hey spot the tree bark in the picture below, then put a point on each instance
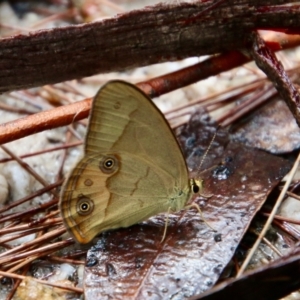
(141, 37)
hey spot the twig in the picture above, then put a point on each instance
(271, 217)
(12, 275)
(30, 170)
(46, 237)
(223, 28)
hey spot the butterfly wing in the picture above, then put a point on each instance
(133, 167)
(124, 119)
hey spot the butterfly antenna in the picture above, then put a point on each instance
(206, 152)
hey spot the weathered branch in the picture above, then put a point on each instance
(266, 60)
(67, 114)
(138, 38)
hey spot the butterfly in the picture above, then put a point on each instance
(132, 167)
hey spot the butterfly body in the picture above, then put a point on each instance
(132, 167)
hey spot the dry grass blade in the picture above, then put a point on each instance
(271, 217)
(28, 168)
(65, 260)
(72, 289)
(28, 212)
(46, 237)
(24, 227)
(289, 220)
(70, 145)
(39, 252)
(29, 197)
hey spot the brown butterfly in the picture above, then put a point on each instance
(132, 167)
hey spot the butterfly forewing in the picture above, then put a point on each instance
(124, 119)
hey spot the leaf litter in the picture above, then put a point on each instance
(192, 257)
(133, 264)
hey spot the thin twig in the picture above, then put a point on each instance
(271, 217)
(30, 170)
(12, 275)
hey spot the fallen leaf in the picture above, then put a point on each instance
(132, 263)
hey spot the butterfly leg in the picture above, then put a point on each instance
(166, 225)
(201, 214)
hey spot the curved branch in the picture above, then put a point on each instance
(151, 35)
